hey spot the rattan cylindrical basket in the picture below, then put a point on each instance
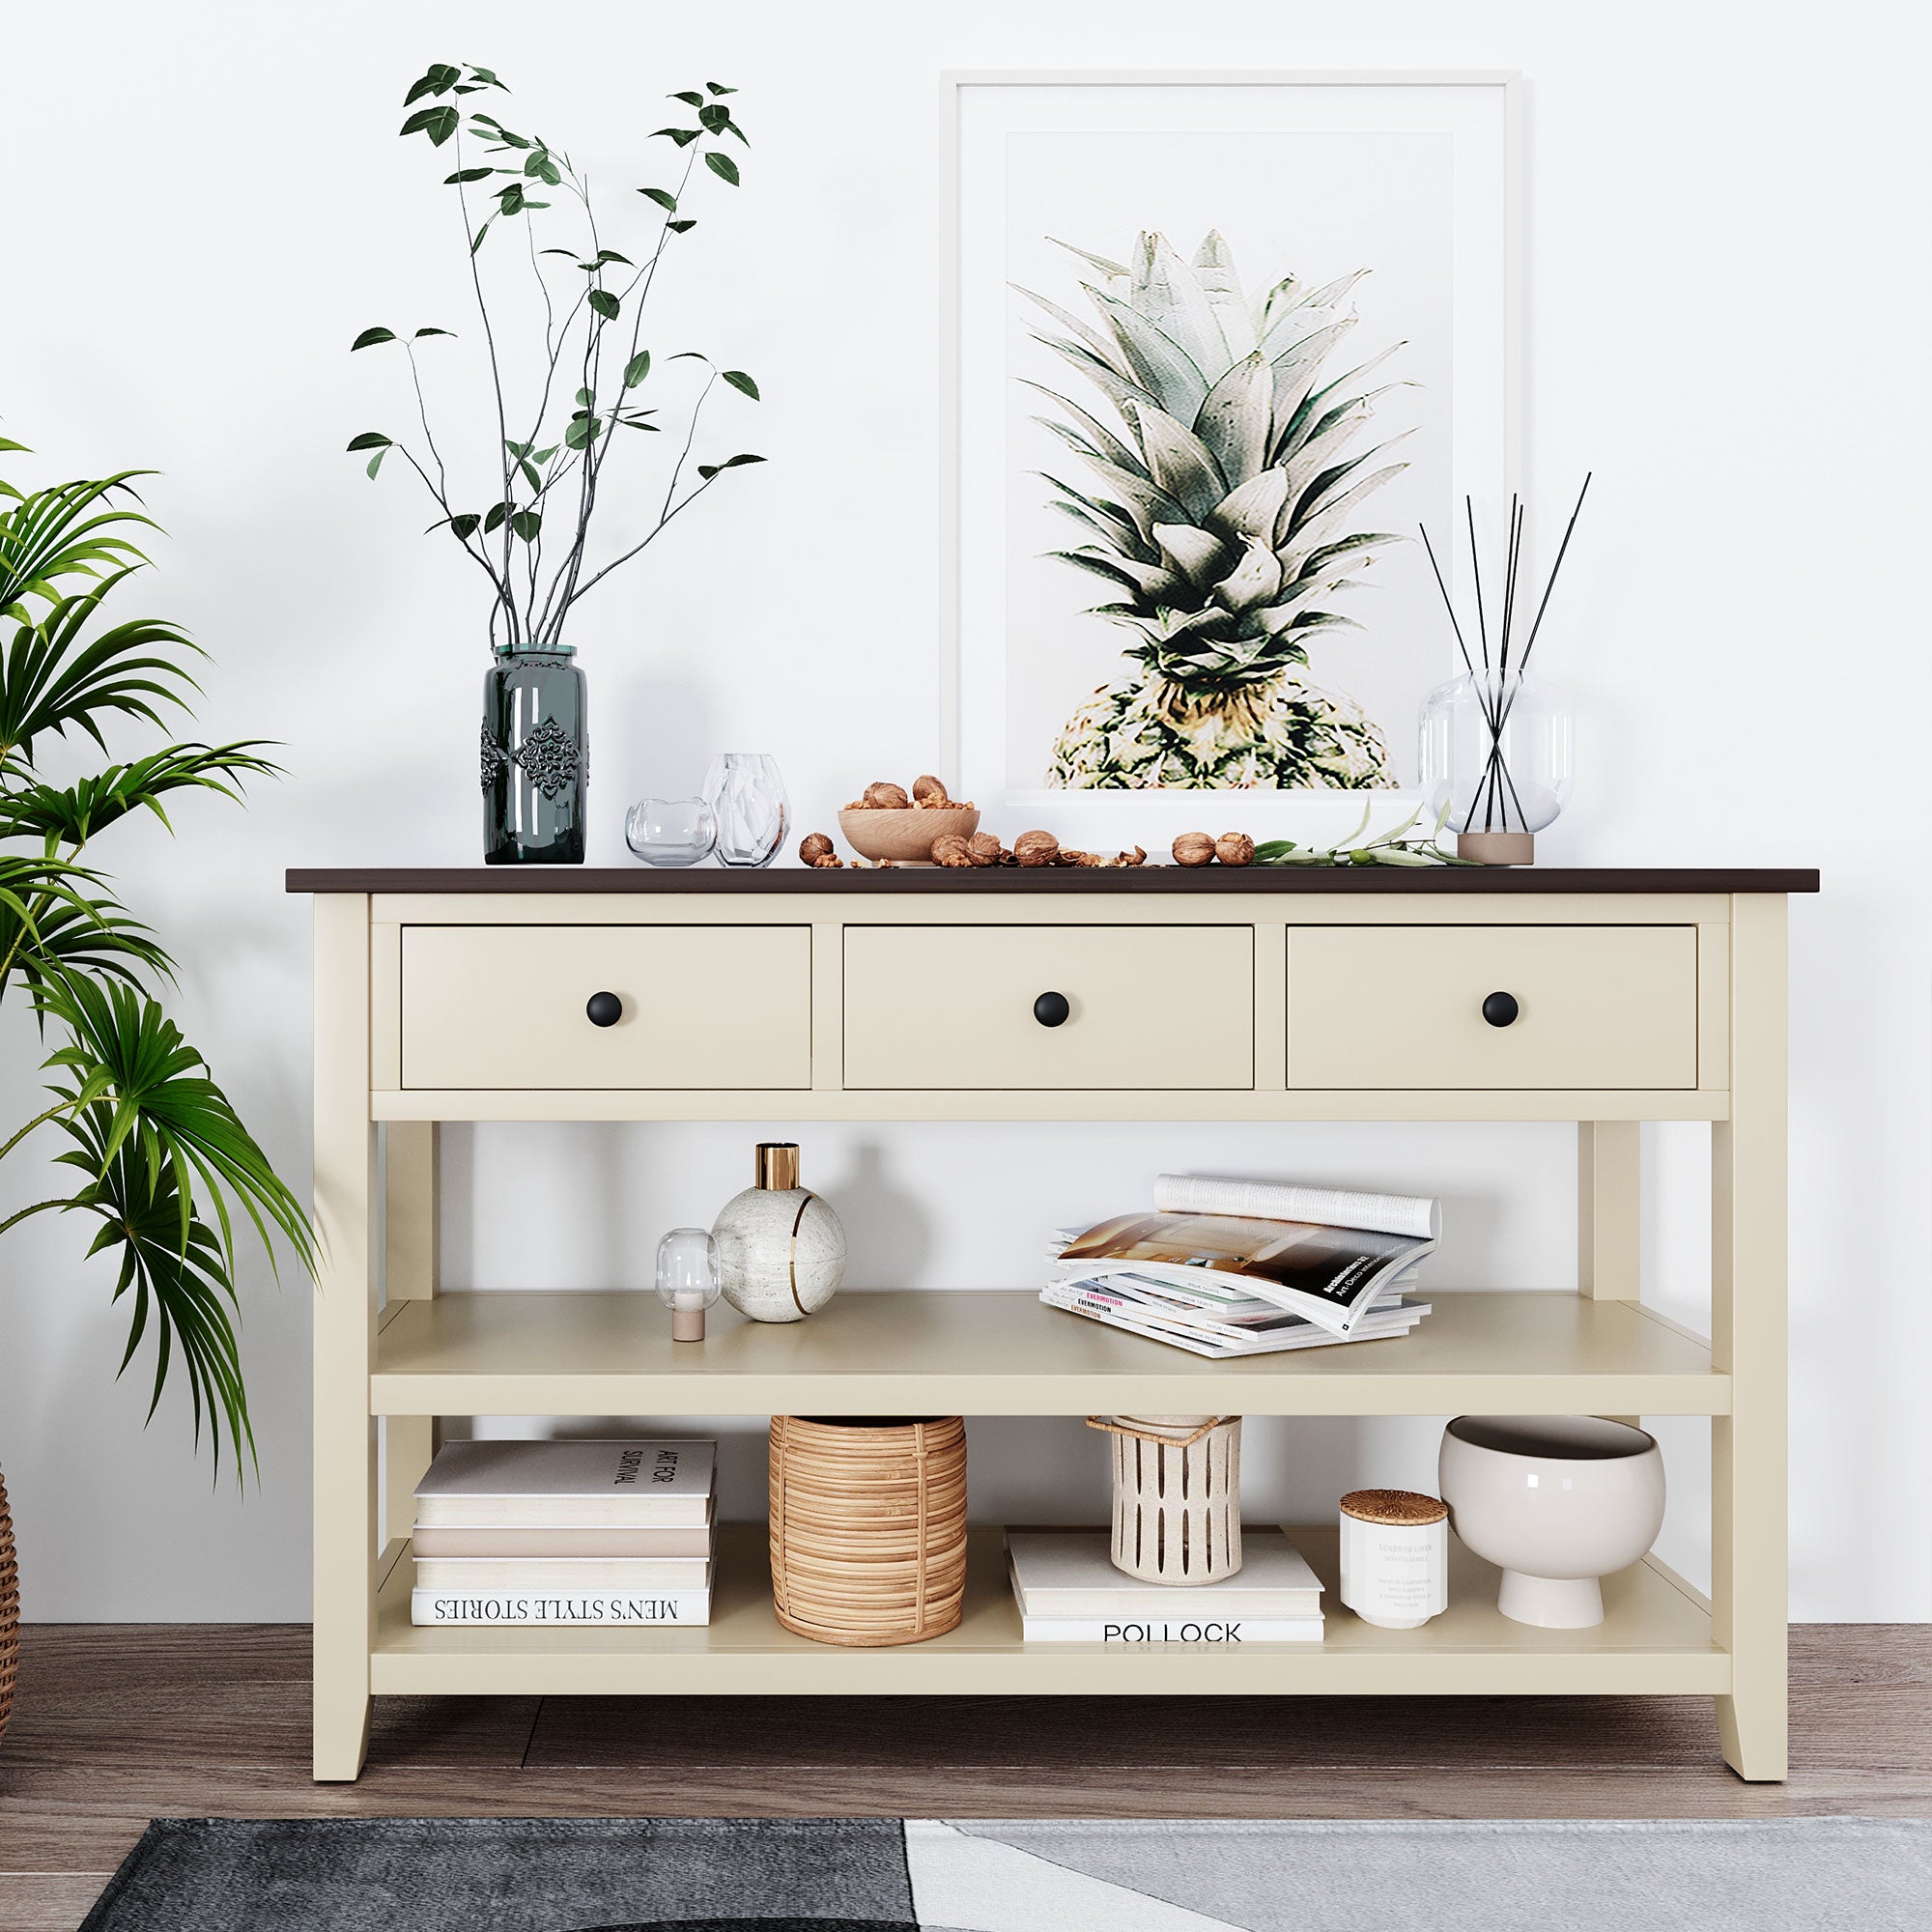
(869, 1528)
(10, 1611)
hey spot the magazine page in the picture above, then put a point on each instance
(1328, 1274)
(1410, 1214)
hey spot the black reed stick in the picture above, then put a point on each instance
(1562, 549)
(1476, 571)
(1448, 604)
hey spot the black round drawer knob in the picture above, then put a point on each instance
(1051, 1009)
(1501, 1010)
(603, 1008)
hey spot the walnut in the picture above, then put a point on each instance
(984, 848)
(929, 790)
(814, 846)
(1036, 848)
(1085, 859)
(1234, 848)
(952, 850)
(1194, 848)
(885, 796)
(1137, 857)
(828, 862)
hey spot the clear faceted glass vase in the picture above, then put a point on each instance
(1496, 762)
(536, 759)
(748, 798)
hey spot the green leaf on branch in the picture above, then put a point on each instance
(691, 100)
(421, 332)
(680, 227)
(724, 167)
(466, 175)
(683, 136)
(437, 123)
(716, 117)
(716, 89)
(585, 398)
(608, 255)
(370, 439)
(527, 523)
(376, 462)
(584, 429)
(488, 78)
(370, 338)
(464, 526)
(604, 304)
(663, 196)
(636, 368)
(494, 520)
(708, 471)
(636, 422)
(480, 232)
(742, 382)
(439, 79)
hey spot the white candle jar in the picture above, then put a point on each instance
(1395, 1557)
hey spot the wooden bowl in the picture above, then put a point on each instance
(906, 835)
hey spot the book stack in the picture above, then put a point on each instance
(1235, 1268)
(1070, 1592)
(599, 1532)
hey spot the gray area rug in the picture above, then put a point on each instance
(885, 1875)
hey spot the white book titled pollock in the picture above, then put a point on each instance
(567, 1484)
(1068, 1573)
(627, 1608)
(1217, 1630)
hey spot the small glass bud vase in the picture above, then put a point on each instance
(687, 1280)
(781, 1249)
(1496, 762)
(746, 794)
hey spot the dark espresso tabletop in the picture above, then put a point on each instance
(1207, 880)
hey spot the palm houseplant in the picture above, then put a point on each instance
(1223, 487)
(150, 1154)
(540, 268)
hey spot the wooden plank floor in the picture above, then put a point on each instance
(117, 1723)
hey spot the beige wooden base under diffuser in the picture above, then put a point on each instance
(1648, 996)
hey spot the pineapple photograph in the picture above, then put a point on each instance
(1228, 416)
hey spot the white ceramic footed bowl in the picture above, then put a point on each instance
(1555, 1502)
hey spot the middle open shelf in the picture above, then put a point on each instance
(1000, 1351)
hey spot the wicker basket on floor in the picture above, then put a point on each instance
(869, 1528)
(10, 1611)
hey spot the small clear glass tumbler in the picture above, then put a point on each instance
(671, 831)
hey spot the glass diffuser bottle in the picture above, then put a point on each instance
(1496, 762)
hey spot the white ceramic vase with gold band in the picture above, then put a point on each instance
(781, 1249)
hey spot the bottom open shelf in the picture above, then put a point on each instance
(1656, 1639)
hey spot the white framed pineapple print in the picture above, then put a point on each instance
(1215, 346)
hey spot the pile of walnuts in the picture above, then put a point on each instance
(928, 794)
(1197, 848)
(1028, 850)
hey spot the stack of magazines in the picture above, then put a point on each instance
(1247, 1267)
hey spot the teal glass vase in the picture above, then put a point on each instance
(536, 759)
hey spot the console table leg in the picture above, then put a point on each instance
(1749, 1476)
(345, 1332)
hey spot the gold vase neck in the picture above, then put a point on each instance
(776, 1164)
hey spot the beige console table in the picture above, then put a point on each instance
(910, 995)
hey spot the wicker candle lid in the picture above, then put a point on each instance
(1407, 1508)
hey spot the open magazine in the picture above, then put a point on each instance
(1232, 1254)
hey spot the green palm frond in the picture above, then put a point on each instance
(174, 1268)
(72, 815)
(163, 1103)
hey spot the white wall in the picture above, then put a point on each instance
(1727, 287)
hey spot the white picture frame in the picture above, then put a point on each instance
(1477, 118)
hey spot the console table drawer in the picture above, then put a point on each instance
(703, 1007)
(1404, 1006)
(953, 1008)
